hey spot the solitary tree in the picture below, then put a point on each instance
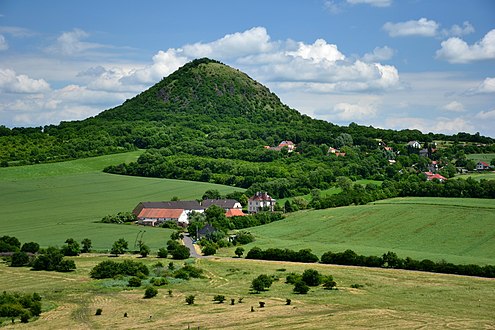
(239, 252)
(119, 246)
(86, 245)
(72, 248)
(261, 283)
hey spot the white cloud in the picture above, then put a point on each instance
(486, 115)
(252, 41)
(70, 43)
(317, 52)
(3, 43)
(459, 31)
(454, 106)
(456, 50)
(487, 86)
(422, 27)
(436, 125)
(379, 54)
(349, 112)
(11, 82)
(375, 3)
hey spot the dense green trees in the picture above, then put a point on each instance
(23, 306)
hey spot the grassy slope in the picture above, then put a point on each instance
(51, 202)
(457, 230)
(389, 299)
(481, 157)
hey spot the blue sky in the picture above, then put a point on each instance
(393, 64)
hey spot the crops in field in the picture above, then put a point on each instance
(456, 230)
(49, 203)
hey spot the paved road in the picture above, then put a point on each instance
(189, 244)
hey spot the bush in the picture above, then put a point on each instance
(150, 292)
(98, 311)
(110, 269)
(162, 252)
(311, 277)
(159, 281)
(219, 298)
(239, 252)
(209, 250)
(261, 283)
(329, 283)
(180, 252)
(292, 278)
(31, 247)
(19, 259)
(134, 282)
(190, 299)
(243, 237)
(301, 287)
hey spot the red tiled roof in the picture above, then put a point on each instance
(431, 176)
(234, 213)
(484, 164)
(160, 213)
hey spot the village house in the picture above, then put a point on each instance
(225, 204)
(287, 144)
(481, 166)
(431, 176)
(336, 152)
(433, 167)
(261, 201)
(156, 213)
(414, 144)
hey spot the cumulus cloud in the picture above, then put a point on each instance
(459, 31)
(454, 106)
(3, 43)
(374, 3)
(317, 52)
(348, 112)
(11, 82)
(70, 43)
(439, 124)
(486, 115)
(456, 50)
(487, 86)
(422, 27)
(379, 54)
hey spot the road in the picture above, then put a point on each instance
(189, 244)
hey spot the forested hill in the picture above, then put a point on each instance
(205, 108)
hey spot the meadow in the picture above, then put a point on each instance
(481, 157)
(456, 230)
(49, 203)
(387, 298)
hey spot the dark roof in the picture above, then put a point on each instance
(223, 203)
(261, 196)
(186, 205)
(206, 230)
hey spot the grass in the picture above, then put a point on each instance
(49, 203)
(387, 299)
(456, 230)
(481, 157)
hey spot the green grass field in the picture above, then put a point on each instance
(481, 157)
(456, 230)
(49, 203)
(391, 299)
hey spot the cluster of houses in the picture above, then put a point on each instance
(156, 213)
(284, 144)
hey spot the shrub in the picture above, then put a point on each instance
(311, 277)
(357, 286)
(180, 252)
(219, 298)
(134, 282)
(30, 247)
(19, 259)
(292, 278)
(301, 287)
(239, 252)
(159, 281)
(190, 299)
(209, 250)
(261, 283)
(150, 292)
(98, 311)
(244, 237)
(329, 283)
(162, 252)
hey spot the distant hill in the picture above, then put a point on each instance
(201, 103)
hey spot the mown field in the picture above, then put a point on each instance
(456, 230)
(481, 157)
(49, 203)
(388, 299)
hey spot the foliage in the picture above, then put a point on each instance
(31, 247)
(144, 249)
(110, 269)
(243, 237)
(134, 282)
(72, 248)
(19, 259)
(261, 283)
(159, 281)
(311, 277)
(24, 306)
(119, 247)
(329, 283)
(150, 292)
(162, 252)
(239, 251)
(301, 287)
(9, 244)
(219, 298)
(303, 255)
(209, 250)
(180, 252)
(52, 259)
(86, 245)
(98, 311)
(119, 218)
(190, 299)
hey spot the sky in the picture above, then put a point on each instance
(396, 64)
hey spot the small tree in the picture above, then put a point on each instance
(301, 287)
(239, 252)
(150, 292)
(190, 299)
(72, 248)
(98, 311)
(329, 283)
(311, 277)
(86, 245)
(19, 259)
(162, 252)
(144, 250)
(180, 252)
(31, 247)
(261, 283)
(119, 247)
(219, 298)
(209, 250)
